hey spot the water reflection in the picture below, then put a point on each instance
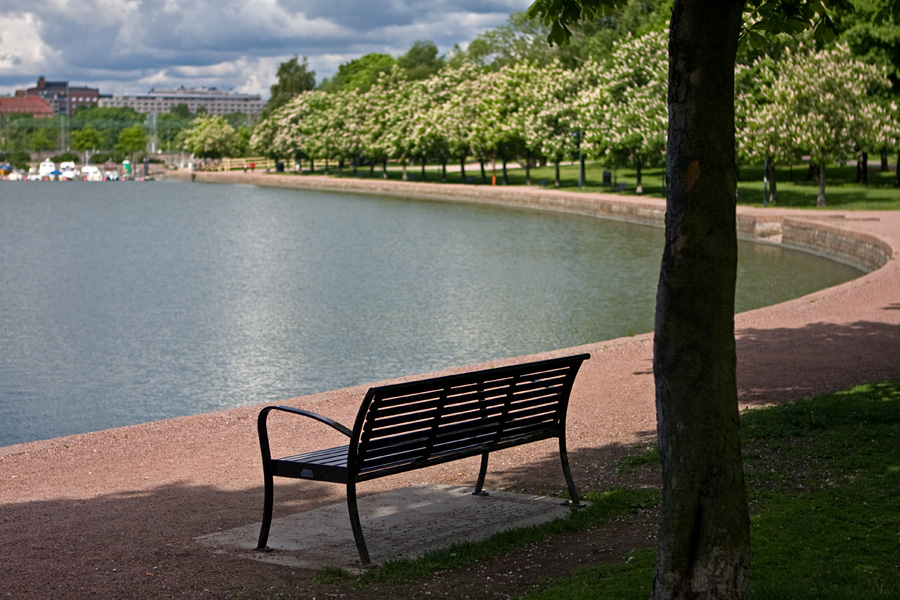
(132, 302)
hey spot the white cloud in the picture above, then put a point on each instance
(124, 46)
(21, 46)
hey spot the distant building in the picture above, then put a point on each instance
(37, 106)
(215, 102)
(62, 97)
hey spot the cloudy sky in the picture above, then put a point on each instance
(128, 46)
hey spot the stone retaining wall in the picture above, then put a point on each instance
(809, 234)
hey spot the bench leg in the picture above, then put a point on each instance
(480, 484)
(267, 513)
(573, 491)
(355, 525)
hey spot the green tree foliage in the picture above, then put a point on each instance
(109, 121)
(181, 111)
(169, 125)
(294, 77)
(421, 61)
(41, 142)
(86, 138)
(132, 139)
(359, 74)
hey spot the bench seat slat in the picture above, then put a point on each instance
(422, 446)
(379, 418)
(462, 422)
(440, 396)
(495, 425)
(322, 465)
(374, 471)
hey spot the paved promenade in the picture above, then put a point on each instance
(117, 513)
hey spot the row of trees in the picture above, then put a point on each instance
(110, 132)
(613, 110)
(825, 104)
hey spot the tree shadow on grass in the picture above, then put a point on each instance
(775, 365)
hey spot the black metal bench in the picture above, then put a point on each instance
(412, 425)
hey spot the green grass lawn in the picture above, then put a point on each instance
(795, 190)
(824, 482)
(823, 477)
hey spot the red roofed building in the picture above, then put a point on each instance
(37, 106)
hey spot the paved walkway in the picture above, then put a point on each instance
(127, 512)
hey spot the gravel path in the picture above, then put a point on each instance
(114, 514)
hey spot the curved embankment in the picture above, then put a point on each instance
(115, 513)
(816, 232)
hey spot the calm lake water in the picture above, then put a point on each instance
(123, 303)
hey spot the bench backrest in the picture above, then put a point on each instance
(410, 425)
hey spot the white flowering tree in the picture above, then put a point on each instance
(765, 128)
(459, 113)
(393, 102)
(831, 107)
(635, 87)
(209, 137)
(524, 91)
(554, 131)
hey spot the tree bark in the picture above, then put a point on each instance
(773, 182)
(558, 183)
(704, 545)
(462, 168)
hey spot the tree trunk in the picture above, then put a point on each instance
(462, 169)
(443, 170)
(505, 174)
(558, 182)
(528, 170)
(704, 545)
(405, 176)
(862, 168)
(384, 173)
(483, 173)
(884, 159)
(423, 168)
(897, 171)
(773, 184)
(820, 201)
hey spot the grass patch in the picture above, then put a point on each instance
(603, 507)
(648, 458)
(795, 189)
(824, 483)
(823, 478)
(629, 580)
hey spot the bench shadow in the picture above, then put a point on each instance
(142, 543)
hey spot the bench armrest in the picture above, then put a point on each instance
(263, 430)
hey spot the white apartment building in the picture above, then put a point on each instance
(216, 102)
